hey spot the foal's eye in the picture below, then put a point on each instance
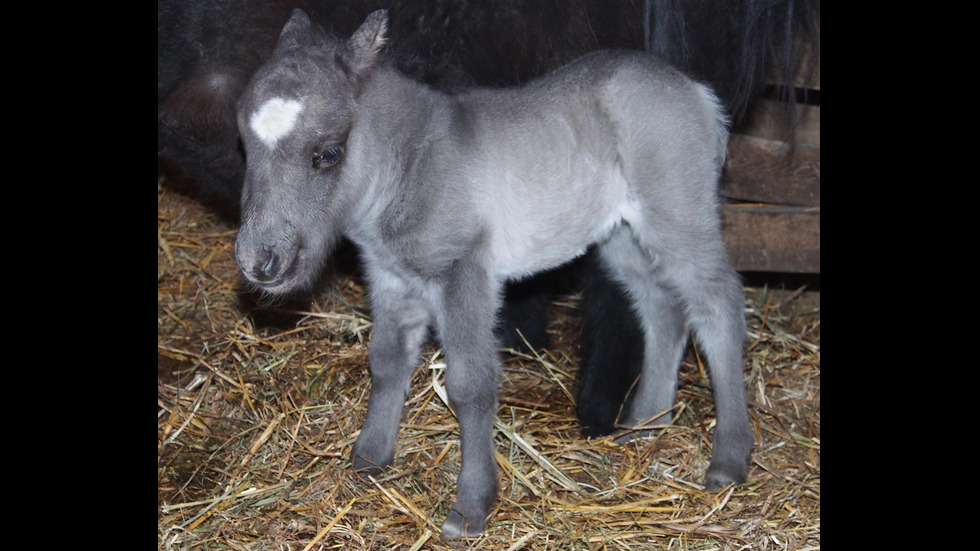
(328, 158)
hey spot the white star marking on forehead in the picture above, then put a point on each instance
(275, 119)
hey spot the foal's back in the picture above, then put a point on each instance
(553, 166)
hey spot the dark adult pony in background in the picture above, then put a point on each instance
(208, 50)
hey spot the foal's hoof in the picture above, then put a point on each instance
(362, 466)
(457, 527)
(720, 476)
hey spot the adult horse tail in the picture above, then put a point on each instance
(739, 47)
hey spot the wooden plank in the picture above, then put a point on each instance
(772, 238)
(783, 233)
(761, 171)
(768, 120)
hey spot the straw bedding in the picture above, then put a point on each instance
(259, 405)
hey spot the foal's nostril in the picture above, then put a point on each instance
(271, 266)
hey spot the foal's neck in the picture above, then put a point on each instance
(407, 109)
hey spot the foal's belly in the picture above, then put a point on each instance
(549, 208)
(534, 243)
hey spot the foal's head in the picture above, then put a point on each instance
(294, 118)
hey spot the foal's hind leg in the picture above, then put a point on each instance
(662, 326)
(712, 298)
(690, 285)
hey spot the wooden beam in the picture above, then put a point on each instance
(766, 171)
(772, 238)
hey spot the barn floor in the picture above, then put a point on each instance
(257, 413)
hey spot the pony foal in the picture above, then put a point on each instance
(450, 196)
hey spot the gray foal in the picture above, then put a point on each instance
(448, 197)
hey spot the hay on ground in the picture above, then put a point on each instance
(257, 414)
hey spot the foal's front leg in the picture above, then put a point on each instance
(466, 323)
(400, 328)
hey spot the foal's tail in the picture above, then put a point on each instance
(721, 127)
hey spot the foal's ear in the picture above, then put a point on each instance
(367, 40)
(295, 30)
